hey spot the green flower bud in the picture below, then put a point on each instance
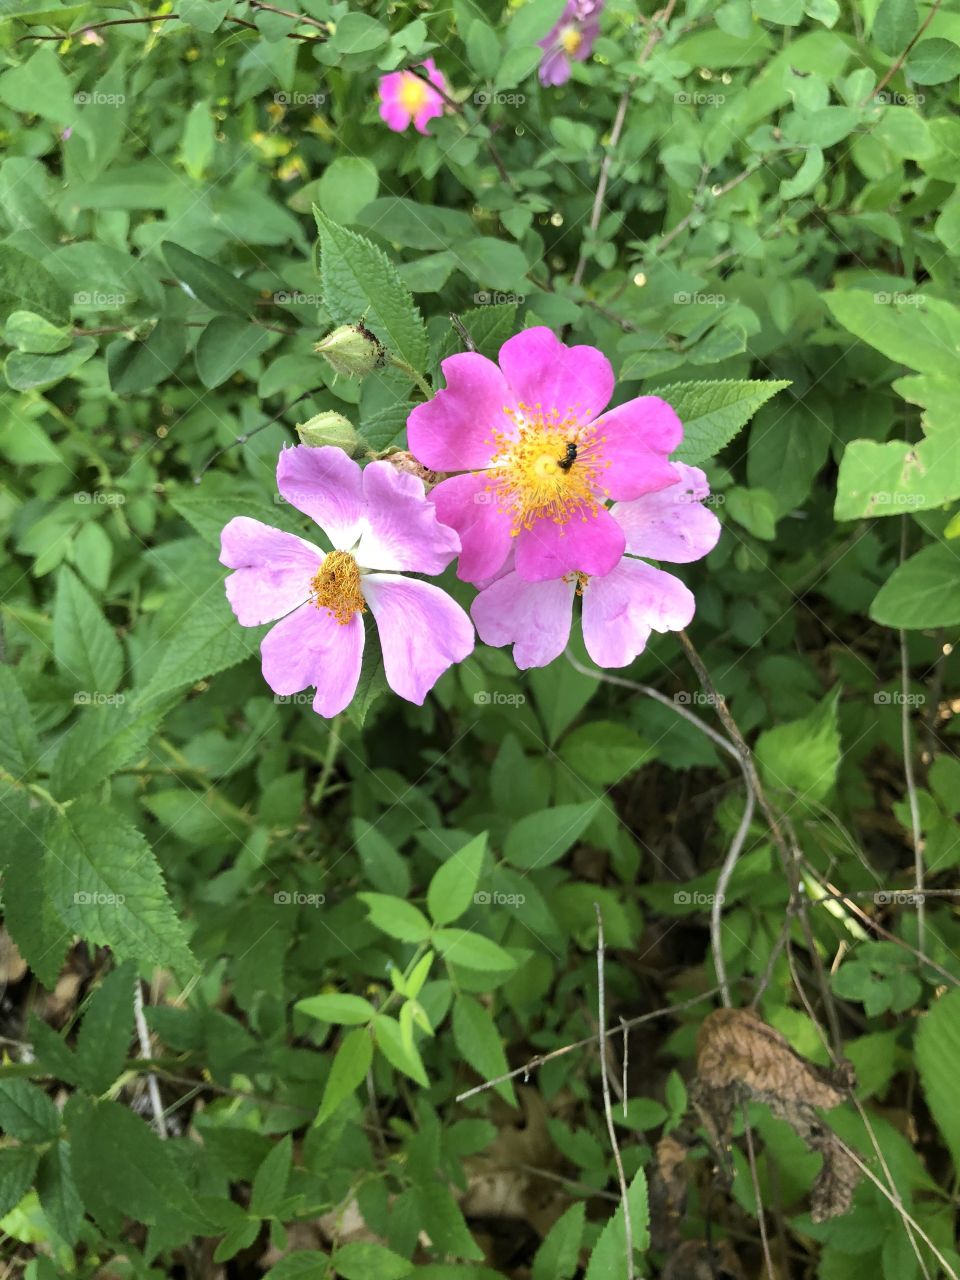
(329, 428)
(352, 350)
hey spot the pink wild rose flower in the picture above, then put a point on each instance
(539, 457)
(620, 610)
(381, 527)
(571, 39)
(405, 96)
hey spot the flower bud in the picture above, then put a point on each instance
(352, 350)
(329, 428)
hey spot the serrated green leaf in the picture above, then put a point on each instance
(58, 1193)
(804, 755)
(338, 1007)
(365, 1260)
(270, 1184)
(395, 917)
(608, 1260)
(103, 740)
(17, 1167)
(349, 1068)
(475, 1035)
(106, 885)
(924, 334)
(29, 914)
(84, 644)
(713, 412)
(542, 838)
(559, 1255)
(922, 592)
(18, 736)
(473, 951)
(360, 283)
(938, 1051)
(208, 639)
(106, 1031)
(26, 1112)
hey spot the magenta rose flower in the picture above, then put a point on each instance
(405, 96)
(620, 610)
(539, 457)
(381, 527)
(571, 39)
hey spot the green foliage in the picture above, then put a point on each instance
(341, 932)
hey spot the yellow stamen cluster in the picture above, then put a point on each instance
(336, 587)
(413, 93)
(551, 469)
(581, 579)
(571, 39)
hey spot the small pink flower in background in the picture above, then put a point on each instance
(539, 457)
(571, 39)
(381, 527)
(405, 96)
(620, 609)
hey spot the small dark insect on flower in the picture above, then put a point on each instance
(570, 457)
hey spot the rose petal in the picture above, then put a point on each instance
(454, 430)
(395, 115)
(638, 437)
(590, 542)
(326, 485)
(422, 632)
(309, 647)
(466, 504)
(274, 570)
(542, 370)
(620, 611)
(555, 68)
(532, 616)
(401, 529)
(429, 111)
(671, 525)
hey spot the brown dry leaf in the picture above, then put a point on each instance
(741, 1059)
(697, 1260)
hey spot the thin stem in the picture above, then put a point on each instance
(409, 370)
(607, 1105)
(143, 1035)
(752, 1161)
(907, 737)
(903, 56)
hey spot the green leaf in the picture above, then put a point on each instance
(30, 917)
(106, 885)
(18, 737)
(347, 186)
(270, 1183)
(226, 344)
(444, 1223)
(755, 509)
(807, 175)
(17, 1167)
(498, 264)
(106, 1031)
(205, 15)
(937, 1047)
(542, 838)
(103, 740)
(338, 1007)
(924, 335)
(349, 1069)
(27, 372)
(895, 478)
(472, 951)
(137, 366)
(933, 61)
(803, 756)
(605, 752)
(25, 285)
(214, 286)
(364, 1260)
(360, 283)
(121, 1166)
(922, 592)
(395, 917)
(399, 1051)
(29, 332)
(58, 1193)
(84, 644)
(476, 1036)
(559, 1256)
(199, 141)
(26, 1112)
(894, 24)
(713, 412)
(608, 1261)
(208, 639)
(451, 890)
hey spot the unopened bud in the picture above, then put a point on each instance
(329, 428)
(352, 350)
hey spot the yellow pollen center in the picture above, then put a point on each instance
(571, 40)
(413, 93)
(336, 587)
(549, 468)
(581, 580)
